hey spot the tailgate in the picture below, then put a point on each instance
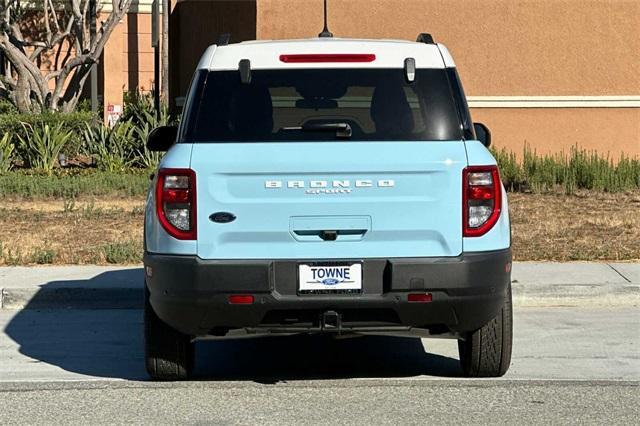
(329, 200)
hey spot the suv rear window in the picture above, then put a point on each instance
(310, 104)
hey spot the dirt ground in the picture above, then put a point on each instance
(588, 226)
(64, 232)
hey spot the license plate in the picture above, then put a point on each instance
(330, 278)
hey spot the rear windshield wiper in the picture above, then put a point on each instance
(342, 130)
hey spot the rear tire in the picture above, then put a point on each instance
(487, 352)
(169, 354)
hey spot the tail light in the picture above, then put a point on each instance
(481, 199)
(176, 202)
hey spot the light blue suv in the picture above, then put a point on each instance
(326, 186)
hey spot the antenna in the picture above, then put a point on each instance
(325, 31)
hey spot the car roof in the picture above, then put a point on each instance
(266, 54)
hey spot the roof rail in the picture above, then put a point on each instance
(224, 39)
(425, 38)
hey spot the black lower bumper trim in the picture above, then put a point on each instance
(191, 294)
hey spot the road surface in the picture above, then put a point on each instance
(570, 365)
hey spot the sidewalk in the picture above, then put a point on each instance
(103, 287)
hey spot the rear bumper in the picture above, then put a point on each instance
(191, 295)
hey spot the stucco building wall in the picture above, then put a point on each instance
(548, 73)
(127, 63)
(502, 47)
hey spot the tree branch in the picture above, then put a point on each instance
(55, 15)
(27, 82)
(47, 26)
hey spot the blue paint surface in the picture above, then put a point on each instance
(383, 199)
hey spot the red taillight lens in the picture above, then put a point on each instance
(241, 299)
(327, 57)
(176, 202)
(481, 199)
(176, 196)
(480, 193)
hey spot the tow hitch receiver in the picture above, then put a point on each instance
(331, 321)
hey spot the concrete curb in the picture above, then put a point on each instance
(582, 295)
(71, 298)
(93, 287)
(129, 298)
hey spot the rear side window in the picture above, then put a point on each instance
(305, 105)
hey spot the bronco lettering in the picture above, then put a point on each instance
(343, 183)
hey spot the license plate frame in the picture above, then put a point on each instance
(353, 284)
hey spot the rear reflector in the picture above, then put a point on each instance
(241, 299)
(420, 297)
(327, 57)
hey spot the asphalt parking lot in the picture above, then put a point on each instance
(575, 360)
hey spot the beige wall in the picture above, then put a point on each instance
(610, 131)
(127, 62)
(501, 47)
(112, 66)
(138, 69)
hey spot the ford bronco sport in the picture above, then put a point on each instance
(326, 186)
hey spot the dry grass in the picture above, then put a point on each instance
(71, 232)
(588, 226)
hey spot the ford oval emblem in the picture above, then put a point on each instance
(222, 217)
(330, 281)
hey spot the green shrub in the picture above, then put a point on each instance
(124, 252)
(42, 144)
(43, 256)
(12, 123)
(73, 183)
(511, 171)
(6, 107)
(6, 153)
(580, 169)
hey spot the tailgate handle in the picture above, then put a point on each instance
(329, 228)
(330, 235)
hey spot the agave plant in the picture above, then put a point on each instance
(148, 122)
(111, 148)
(6, 153)
(41, 144)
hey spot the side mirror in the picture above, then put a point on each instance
(162, 138)
(483, 134)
